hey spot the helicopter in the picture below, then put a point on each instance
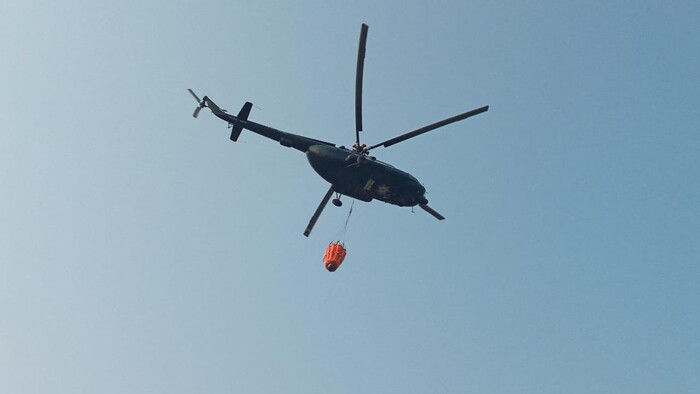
(351, 172)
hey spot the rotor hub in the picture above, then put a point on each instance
(360, 149)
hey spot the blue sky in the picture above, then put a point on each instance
(141, 251)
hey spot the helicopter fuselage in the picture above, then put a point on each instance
(364, 177)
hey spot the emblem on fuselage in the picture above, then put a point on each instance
(383, 190)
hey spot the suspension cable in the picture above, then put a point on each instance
(341, 234)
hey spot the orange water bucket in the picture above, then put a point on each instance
(334, 256)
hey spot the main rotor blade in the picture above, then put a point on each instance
(431, 127)
(358, 82)
(431, 211)
(194, 95)
(314, 218)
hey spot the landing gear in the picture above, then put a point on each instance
(336, 200)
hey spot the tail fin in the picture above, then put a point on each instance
(243, 116)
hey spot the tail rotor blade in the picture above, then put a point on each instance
(314, 218)
(195, 96)
(431, 211)
(196, 112)
(358, 81)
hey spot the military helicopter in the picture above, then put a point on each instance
(351, 172)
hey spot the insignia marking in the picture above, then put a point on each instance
(383, 190)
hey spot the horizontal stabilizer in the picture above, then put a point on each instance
(243, 115)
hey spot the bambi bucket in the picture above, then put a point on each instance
(334, 256)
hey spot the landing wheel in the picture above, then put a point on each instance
(337, 202)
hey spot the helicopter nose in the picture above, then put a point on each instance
(420, 192)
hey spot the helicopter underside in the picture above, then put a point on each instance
(365, 178)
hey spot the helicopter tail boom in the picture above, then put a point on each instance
(240, 122)
(237, 123)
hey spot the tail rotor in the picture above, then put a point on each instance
(202, 103)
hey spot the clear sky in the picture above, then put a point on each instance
(143, 252)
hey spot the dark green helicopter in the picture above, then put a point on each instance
(351, 172)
